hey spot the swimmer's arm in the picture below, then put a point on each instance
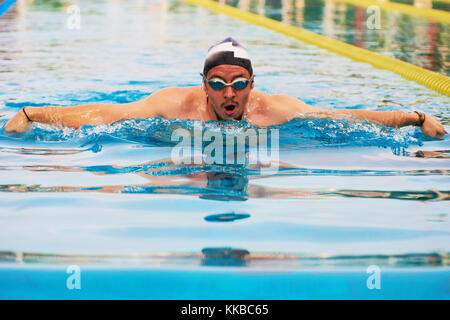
(89, 114)
(431, 126)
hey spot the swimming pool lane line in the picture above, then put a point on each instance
(433, 14)
(430, 79)
(5, 6)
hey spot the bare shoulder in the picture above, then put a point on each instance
(170, 102)
(173, 94)
(272, 109)
(276, 101)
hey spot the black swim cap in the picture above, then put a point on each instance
(229, 51)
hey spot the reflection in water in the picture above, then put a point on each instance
(273, 9)
(292, 11)
(415, 40)
(259, 192)
(328, 19)
(226, 183)
(224, 257)
(43, 151)
(226, 217)
(234, 186)
(426, 4)
(399, 195)
(442, 154)
(232, 257)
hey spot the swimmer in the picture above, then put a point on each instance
(227, 93)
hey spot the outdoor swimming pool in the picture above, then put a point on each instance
(347, 195)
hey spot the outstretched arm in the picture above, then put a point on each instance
(90, 114)
(430, 125)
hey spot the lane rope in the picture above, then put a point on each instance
(430, 79)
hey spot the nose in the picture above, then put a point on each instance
(229, 92)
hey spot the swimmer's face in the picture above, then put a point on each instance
(228, 102)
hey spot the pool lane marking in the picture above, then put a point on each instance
(430, 79)
(5, 6)
(432, 14)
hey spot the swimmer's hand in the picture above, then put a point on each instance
(19, 123)
(432, 127)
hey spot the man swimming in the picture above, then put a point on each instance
(227, 93)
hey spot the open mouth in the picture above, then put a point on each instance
(229, 109)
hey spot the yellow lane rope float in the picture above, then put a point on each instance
(433, 14)
(409, 71)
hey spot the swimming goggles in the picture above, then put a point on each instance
(238, 84)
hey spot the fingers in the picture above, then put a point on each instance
(17, 124)
(429, 154)
(441, 131)
(437, 133)
(432, 127)
(9, 126)
(440, 135)
(430, 132)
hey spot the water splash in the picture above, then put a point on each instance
(295, 134)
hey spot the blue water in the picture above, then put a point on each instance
(347, 195)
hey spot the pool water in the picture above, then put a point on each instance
(347, 195)
(414, 39)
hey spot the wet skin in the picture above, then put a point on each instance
(204, 103)
(229, 98)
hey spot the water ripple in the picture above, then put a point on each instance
(296, 134)
(226, 256)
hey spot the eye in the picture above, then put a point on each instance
(240, 84)
(216, 85)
